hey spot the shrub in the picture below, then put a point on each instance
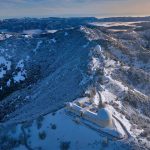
(42, 135)
(64, 145)
(53, 126)
(39, 122)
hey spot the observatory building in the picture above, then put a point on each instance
(83, 108)
(97, 115)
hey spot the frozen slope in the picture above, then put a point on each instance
(59, 67)
(63, 63)
(59, 131)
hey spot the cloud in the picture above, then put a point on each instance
(61, 8)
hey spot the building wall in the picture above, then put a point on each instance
(90, 116)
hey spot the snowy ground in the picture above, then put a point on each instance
(58, 131)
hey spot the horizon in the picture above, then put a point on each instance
(73, 8)
(67, 17)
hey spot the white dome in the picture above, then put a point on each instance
(104, 115)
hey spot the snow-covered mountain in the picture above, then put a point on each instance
(43, 68)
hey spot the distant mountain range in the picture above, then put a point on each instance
(18, 25)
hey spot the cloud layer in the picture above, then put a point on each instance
(63, 8)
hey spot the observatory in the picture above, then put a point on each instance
(85, 109)
(97, 115)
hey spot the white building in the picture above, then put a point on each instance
(100, 117)
(97, 114)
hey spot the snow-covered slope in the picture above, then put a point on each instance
(58, 131)
(40, 72)
(48, 71)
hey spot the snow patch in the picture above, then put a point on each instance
(53, 40)
(8, 83)
(37, 46)
(51, 31)
(31, 32)
(66, 33)
(19, 77)
(20, 64)
(107, 96)
(4, 66)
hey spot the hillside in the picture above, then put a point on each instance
(41, 69)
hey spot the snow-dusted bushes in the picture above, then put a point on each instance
(64, 145)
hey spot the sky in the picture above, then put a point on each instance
(73, 8)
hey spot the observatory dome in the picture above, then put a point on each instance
(105, 117)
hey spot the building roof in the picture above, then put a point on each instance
(104, 114)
